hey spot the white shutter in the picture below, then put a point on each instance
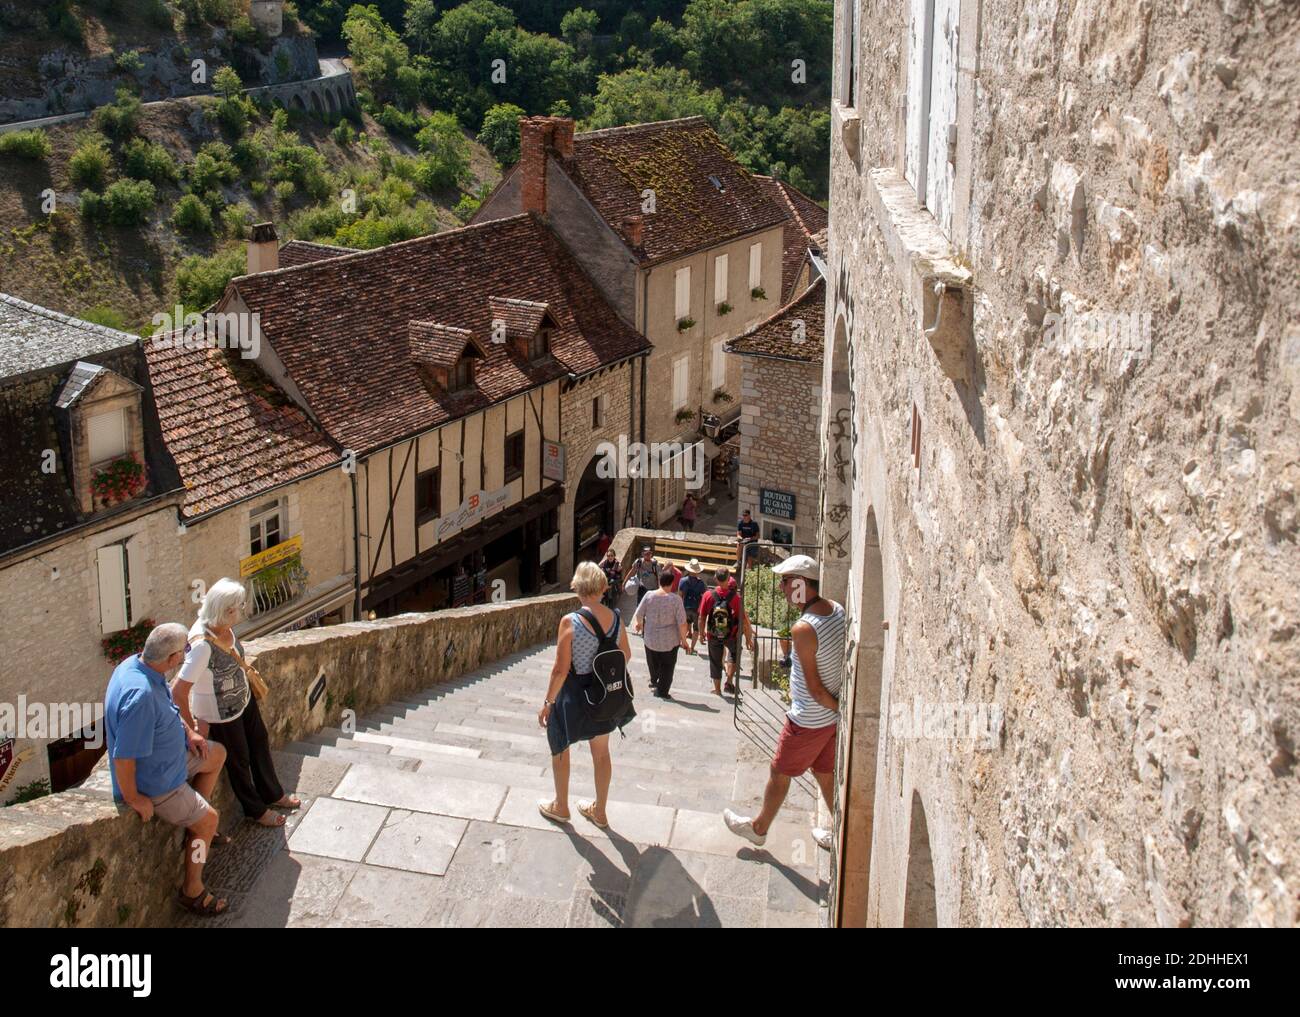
(918, 91)
(719, 364)
(681, 377)
(720, 279)
(112, 588)
(683, 282)
(106, 436)
(943, 110)
(755, 266)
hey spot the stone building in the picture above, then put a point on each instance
(780, 420)
(1062, 370)
(87, 527)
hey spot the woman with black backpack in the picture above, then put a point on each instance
(589, 695)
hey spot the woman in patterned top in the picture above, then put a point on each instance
(212, 685)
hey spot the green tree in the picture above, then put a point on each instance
(226, 82)
(90, 164)
(200, 281)
(446, 159)
(377, 51)
(500, 133)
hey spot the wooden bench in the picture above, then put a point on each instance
(709, 554)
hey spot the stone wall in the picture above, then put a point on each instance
(75, 859)
(780, 447)
(1097, 528)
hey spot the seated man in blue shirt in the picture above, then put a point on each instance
(155, 755)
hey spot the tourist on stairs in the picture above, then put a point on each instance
(568, 714)
(663, 619)
(808, 739)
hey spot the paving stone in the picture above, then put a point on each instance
(593, 910)
(445, 747)
(295, 891)
(417, 842)
(640, 824)
(794, 889)
(308, 777)
(444, 796)
(378, 897)
(338, 829)
(347, 756)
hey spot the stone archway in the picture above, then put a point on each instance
(298, 104)
(864, 734)
(330, 105)
(920, 907)
(594, 509)
(316, 106)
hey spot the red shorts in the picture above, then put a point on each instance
(802, 748)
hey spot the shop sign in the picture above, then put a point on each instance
(776, 503)
(553, 461)
(271, 556)
(471, 510)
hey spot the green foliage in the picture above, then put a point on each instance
(119, 119)
(446, 153)
(764, 602)
(235, 220)
(226, 82)
(129, 62)
(38, 788)
(25, 144)
(90, 164)
(377, 51)
(123, 203)
(500, 133)
(144, 160)
(192, 216)
(104, 315)
(300, 165)
(200, 281)
(213, 12)
(213, 166)
(344, 134)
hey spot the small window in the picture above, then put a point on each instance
(849, 55)
(755, 266)
(463, 376)
(106, 436)
(598, 411)
(264, 527)
(720, 279)
(428, 495)
(514, 456)
(682, 281)
(916, 437)
(540, 344)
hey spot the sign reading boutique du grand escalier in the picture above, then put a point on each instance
(776, 503)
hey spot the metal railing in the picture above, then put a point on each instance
(276, 585)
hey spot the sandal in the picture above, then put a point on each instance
(276, 819)
(547, 809)
(289, 802)
(588, 810)
(202, 903)
(220, 840)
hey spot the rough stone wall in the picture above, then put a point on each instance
(1101, 534)
(76, 860)
(779, 443)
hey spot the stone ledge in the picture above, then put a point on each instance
(848, 127)
(937, 287)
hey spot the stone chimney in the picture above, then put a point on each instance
(634, 230)
(537, 137)
(263, 249)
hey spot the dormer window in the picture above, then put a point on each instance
(540, 344)
(100, 410)
(444, 355)
(462, 376)
(106, 436)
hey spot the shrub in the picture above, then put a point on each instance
(235, 220)
(226, 82)
(129, 62)
(446, 160)
(234, 114)
(212, 167)
(500, 133)
(90, 164)
(124, 203)
(344, 134)
(144, 160)
(121, 118)
(191, 215)
(201, 281)
(25, 144)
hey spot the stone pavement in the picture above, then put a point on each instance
(427, 816)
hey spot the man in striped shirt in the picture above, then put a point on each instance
(808, 739)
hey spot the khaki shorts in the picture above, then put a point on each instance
(184, 806)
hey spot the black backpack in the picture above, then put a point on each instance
(607, 691)
(722, 619)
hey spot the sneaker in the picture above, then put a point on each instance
(743, 826)
(823, 838)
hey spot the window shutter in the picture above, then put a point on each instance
(112, 588)
(755, 266)
(106, 436)
(943, 111)
(681, 369)
(918, 73)
(683, 282)
(720, 278)
(719, 364)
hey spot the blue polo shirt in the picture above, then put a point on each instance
(145, 725)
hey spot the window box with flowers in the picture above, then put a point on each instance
(120, 480)
(721, 395)
(684, 414)
(724, 308)
(117, 646)
(685, 323)
(758, 293)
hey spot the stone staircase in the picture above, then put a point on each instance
(426, 815)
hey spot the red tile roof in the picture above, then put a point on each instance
(230, 431)
(795, 332)
(341, 326)
(805, 225)
(522, 318)
(679, 160)
(439, 345)
(303, 252)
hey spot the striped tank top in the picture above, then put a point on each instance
(804, 710)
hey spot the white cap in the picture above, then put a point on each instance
(799, 565)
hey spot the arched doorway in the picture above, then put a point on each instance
(920, 909)
(593, 510)
(858, 796)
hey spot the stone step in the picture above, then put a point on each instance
(350, 754)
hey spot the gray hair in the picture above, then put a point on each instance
(166, 639)
(220, 598)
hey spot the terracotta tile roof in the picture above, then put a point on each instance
(777, 336)
(231, 432)
(703, 196)
(303, 252)
(806, 222)
(439, 345)
(522, 317)
(341, 326)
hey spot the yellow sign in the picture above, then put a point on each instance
(271, 556)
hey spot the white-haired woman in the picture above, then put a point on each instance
(564, 713)
(213, 689)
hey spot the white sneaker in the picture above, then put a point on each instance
(823, 838)
(743, 826)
